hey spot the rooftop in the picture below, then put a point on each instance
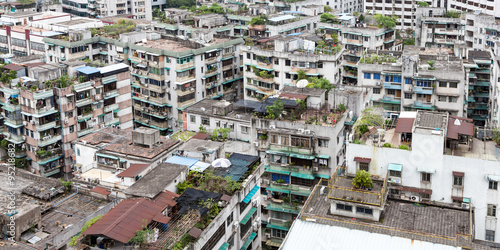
(133, 170)
(400, 219)
(479, 54)
(120, 141)
(201, 146)
(303, 91)
(156, 180)
(427, 122)
(219, 108)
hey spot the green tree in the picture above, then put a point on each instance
(328, 8)
(385, 21)
(327, 18)
(370, 117)
(422, 4)
(275, 110)
(301, 74)
(320, 83)
(258, 20)
(141, 236)
(7, 77)
(77, 239)
(496, 136)
(361, 18)
(67, 184)
(362, 180)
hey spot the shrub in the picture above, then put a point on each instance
(387, 145)
(403, 147)
(362, 180)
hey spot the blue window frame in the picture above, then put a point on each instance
(397, 79)
(407, 80)
(376, 76)
(276, 177)
(368, 76)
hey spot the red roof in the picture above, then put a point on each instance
(200, 136)
(122, 222)
(167, 198)
(133, 170)
(161, 218)
(34, 65)
(13, 66)
(404, 125)
(293, 96)
(100, 190)
(362, 160)
(465, 127)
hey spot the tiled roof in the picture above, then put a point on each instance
(100, 190)
(458, 125)
(404, 125)
(133, 170)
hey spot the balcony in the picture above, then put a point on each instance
(46, 126)
(111, 107)
(291, 149)
(84, 132)
(114, 121)
(388, 85)
(422, 105)
(210, 60)
(283, 207)
(43, 155)
(85, 116)
(391, 99)
(16, 139)
(84, 102)
(109, 79)
(185, 66)
(48, 140)
(186, 78)
(43, 94)
(111, 94)
(289, 189)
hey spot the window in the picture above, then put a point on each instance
(278, 233)
(394, 173)
(490, 235)
(205, 121)
(493, 185)
(363, 166)
(407, 80)
(453, 99)
(453, 85)
(78, 151)
(458, 180)
(408, 96)
(301, 182)
(322, 143)
(287, 62)
(443, 84)
(376, 76)
(287, 76)
(426, 177)
(442, 98)
(192, 118)
(364, 210)
(368, 76)
(244, 130)
(391, 91)
(344, 207)
(492, 210)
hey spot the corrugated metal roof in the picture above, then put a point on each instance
(133, 170)
(310, 235)
(458, 126)
(100, 190)
(404, 125)
(184, 161)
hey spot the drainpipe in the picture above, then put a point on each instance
(55, 205)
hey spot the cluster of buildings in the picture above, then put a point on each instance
(295, 97)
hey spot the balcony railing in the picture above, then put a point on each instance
(85, 131)
(46, 126)
(111, 107)
(48, 140)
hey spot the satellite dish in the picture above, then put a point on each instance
(302, 83)
(457, 122)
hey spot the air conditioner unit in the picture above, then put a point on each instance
(25, 123)
(255, 203)
(145, 85)
(272, 126)
(79, 117)
(265, 181)
(466, 205)
(32, 121)
(7, 136)
(97, 98)
(377, 83)
(301, 130)
(108, 94)
(307, 132)
(396, 180)
(103, 125)
(147, 122)
(66, 121)
(37, 123)
(236, 224)
(256, 144)
(315, 169)
(268, 235)
(415, 198)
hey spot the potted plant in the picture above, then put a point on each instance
(362, 180)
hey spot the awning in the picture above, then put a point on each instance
(248, 216)
(425, 169)
(276, 189)
(277, 152)
(324, 176)
(224, 246)
(491, 177)
(300, 156)
(251, 194)
(404, 125)
(186, 69)
(323, 156)
(395, 167)
(362, 160)
(107, 156)
(227, 58)
(249, 241)
(459, 174)
(277, 227)
(302, 176)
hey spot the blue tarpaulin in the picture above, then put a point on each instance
(251, 194)
(239, 166)
(88, 70)
(182, 161)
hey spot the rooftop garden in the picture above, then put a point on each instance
(182, 135)
(329, 18)
(378, 59)
(114, 30)
(214, 9)
(388, 22)
(258, 20)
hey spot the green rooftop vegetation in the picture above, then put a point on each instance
(378, 59)
(183, 135)
(114, 30)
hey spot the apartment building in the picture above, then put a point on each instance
(215, 114)
(495, 94)
(482, 31)
(284, 24)
(416, 79)
(168, 73)
(488, 7)
(404, 11)
(43, 119)
(437, 168)
(275, 62)
(139, 9)
(434, 29)
(479, 79)
(357, 39)
(297, 156)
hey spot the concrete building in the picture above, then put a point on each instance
(408, 82)
(437, 168)
(297, 156)
(404, 11)
(479, 79)
(277, 61)
(168, 73)
(214, 114)
(487, 7)
(435, 29)
(139, 9)
(104, 154)
(482, 31)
